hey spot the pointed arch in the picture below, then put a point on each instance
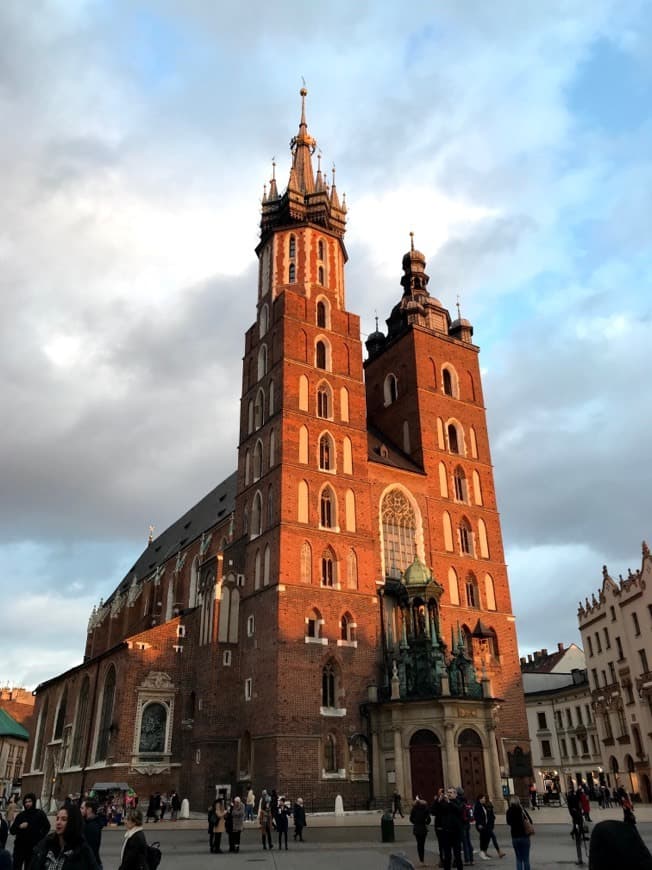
(453, 587)
(448, 531)
(60, 716)
(450, 381)
(323, 312)
(259, 409)
(257, 570)
(306, 562)
(81, 723)
(292, 273)
(258, 460)
(270, 507)
(347, 456)
(472, 590)
(263, 320)
(390, 389)
(292, 246)
(302, 505)
(347, 628)
(223, 620)
(471, 386)
(344, 405)
(194, 582)
(107, 701)
(474, 442)
(303, 393)
(270, 401)
(250, 417)
(262, 361)
(443, 481)
(477, 488)
(349, 511)
(328, 568)
(303, 445)
(352, 570)
(461, 485)
(433, 366)
(323, 354)
(247, 465)
(401, 530)
(267, 565)
(465, 537)
(326, 452)
(324, 400)
(314, 623)
(482, 539)
(490, 592)
(441, 443)
(328, 508)
(257, 515)
(272, 448)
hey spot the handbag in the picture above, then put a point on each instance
(528, 827)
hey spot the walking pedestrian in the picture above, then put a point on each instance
(299, 814)
(491, 824)
(533, 795)
(420, 819)
(250, 805)
(65, 848)
(175, 805)
(467, 819)
(92, 828)
(265, 823)
(29, 827)
(481, 819)
(516, 819)
(216, 825)
(237, 824)
(282, 823)
(397, 806)
(450, 818)
(134, 847)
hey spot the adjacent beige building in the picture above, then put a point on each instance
(615, 626)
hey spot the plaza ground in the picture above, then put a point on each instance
(352, 842)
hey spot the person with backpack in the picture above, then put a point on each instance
(134, 855)
(467, 819)
(64, 848)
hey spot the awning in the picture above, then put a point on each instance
(110, 786)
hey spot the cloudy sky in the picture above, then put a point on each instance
(514, 139)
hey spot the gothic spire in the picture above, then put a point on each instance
(303, 147)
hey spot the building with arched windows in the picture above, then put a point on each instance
(335, 617)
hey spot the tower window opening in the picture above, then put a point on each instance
(453, 440)
(326, 457)
(461, 491)
(399, 532)
(466, 537)
(327, 569)
(292, 274)
(320, 273)
(328, 684)
(321, 355)
(390, 389)
(324, 402)
(327, 509)
(292, 248)
(320, 250)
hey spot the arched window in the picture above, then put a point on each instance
(39, 746)
(347, 628)
(461, 488)
(263, 321)
(349, 511)
(449, 380)
(259, 409)
(390, 389)
(306, 563)
(489, 592)
(399, 532)
(453, 587)
(153, 727)
(330, 753)
(472, 594)
(270, 507)
(257, 570)
(344, 405)
(328, 568)
(453, 440)
(245, 521)
(270, 403)
(81, 724)
(321, 275)
(194, 582)
(247, 465)
(329, 685)
(314, 623)
(443, 481)
(272, 449)
(320, 249)
(466, 537)
(347, 455)
(482, 539)
(326, 453)
(327, 508)
(471, 386)
(257, 515)
(292, 274)
(267, 566)
(303, 393)
(292, 246)
(321, 355)
(303, 445)
(106, 715)
(324, 401)
(474, 443)
(60, 720)
(250, 417)
(258, 460)
(302, 506)
(322, 311)
(262, 361)
(477, 488)
(352, 570)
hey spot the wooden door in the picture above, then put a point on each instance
(425, 765)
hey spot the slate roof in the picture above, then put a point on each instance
(10, 728)
(214, 508)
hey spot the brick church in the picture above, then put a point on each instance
(334, 618)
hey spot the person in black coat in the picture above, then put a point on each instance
(93, 828)
(4, 832)
(299, 814)
(450, 821)
(420, 819)
(28, 828)
(65, 848)
(134, 848)
(617, 844)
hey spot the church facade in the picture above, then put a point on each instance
(335, 617)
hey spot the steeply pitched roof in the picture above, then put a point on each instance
(10, 728)
(214, 508)
(380, 449)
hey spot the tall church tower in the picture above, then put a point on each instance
(309, 601)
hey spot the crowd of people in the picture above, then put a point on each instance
(273, 813)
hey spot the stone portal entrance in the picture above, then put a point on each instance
(425, 765)
(474, 781)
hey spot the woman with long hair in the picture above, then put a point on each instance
(65, 847)
(516, 819)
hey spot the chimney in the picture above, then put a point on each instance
(529, 658)
(523, 660)
(560, 647)
(544, 652)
